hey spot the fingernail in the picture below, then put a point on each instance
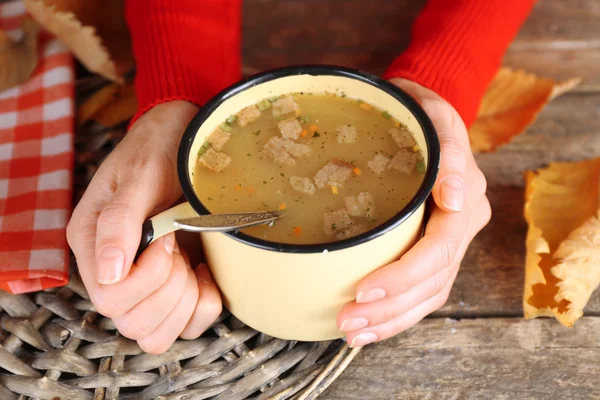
(110, 265)
(452, 193)
(367, 296)
(169, 243)
(176, 248)
(352, 324)
(363, 339)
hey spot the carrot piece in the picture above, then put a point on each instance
(334, 189)
(416, 148)
(366, 106)
(238, 188)
(397, 124)
(282, 207)
(251, 189)
(313, 128)
(297, 231)
(357, 171)
(304, 133)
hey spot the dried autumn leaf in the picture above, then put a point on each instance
(511, 103)
(18, 58)
(96, 102)
(560, 203)
(120, 109)
(94, 30)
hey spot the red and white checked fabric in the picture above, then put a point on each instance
(36, 163)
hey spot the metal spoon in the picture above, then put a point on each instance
(226, 222)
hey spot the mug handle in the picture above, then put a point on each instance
(162, 223)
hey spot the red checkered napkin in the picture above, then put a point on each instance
(36, 163)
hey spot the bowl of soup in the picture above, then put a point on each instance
(347, 158)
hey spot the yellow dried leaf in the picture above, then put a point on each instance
(122, 108)
(94, 30)
(96, 102)
(559, 199)
(18, 58)
(511, 103)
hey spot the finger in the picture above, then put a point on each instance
(119, 224)
(143, 319)
(151, 271)
(449, 190)
(405, 321)
(167, 332)
(208, 307)
(439, 248)
(354, 316)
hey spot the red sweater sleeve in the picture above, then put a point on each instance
(457, 48)
(184, 49)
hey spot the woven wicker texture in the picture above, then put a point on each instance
(53, 344)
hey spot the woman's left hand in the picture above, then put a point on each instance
(399, 295)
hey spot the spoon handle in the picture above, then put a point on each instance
(226, 222)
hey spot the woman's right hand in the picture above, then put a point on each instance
(159, 297)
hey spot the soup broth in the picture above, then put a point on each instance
(336, 167)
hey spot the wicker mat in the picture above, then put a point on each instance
(53, 345)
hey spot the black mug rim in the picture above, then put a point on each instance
(431, 139)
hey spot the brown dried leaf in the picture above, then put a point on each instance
(94, 30)
(96, 102)
(120, 109)
(561, 205)
(18, 58)
(511, 103)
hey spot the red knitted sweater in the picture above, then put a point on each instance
(190, 49)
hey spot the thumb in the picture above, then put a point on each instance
(119, 229)
(449, 188)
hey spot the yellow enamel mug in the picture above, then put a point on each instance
(290, 291)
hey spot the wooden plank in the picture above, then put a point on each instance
(478, 359)
(568, 129)
(559, 39)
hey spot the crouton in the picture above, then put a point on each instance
(302, 184)
(275, 148)
(346, 134)
(362, 205)
(354, 230)
(336, 221)
(290, 128)
(402, 137)
(284, 105)
(334, 173)
(297, 150)
(378, 164)
(214, 160)
(248, 115)
(218, 139)
(404, 161)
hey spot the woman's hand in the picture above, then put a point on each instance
(159, 297)
(397, 296)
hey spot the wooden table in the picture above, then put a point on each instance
(478, 346)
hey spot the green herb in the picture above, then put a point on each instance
(226, 127)
(333, 227)
(265, 204)
(203, 148)
(209, 198)
(343, 94)
(386, 115)
(421, 167)
(282, 174)
(263, 104)
(273, 99)
(359, 101)
(374, 220)
(316, 134)
(231, 119)
(256, 133)
(249, 154)
(264, 182)
(305, 119)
